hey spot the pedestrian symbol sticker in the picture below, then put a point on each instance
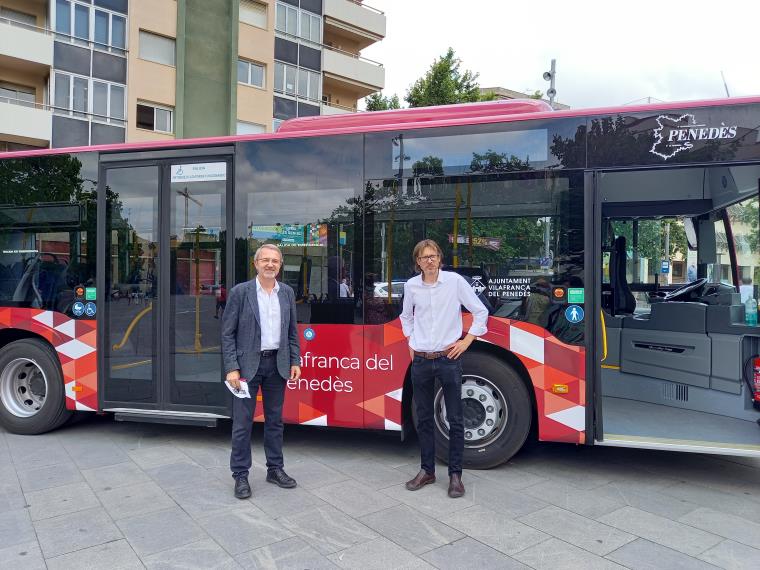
(78, 309)
(574, 314)
(309, 334)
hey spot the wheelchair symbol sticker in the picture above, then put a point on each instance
(90, 309)
(574, 314)
(309, 334)
(78, 309)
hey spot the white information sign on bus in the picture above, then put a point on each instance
(203, 172)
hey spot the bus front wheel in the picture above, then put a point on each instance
(497, 412)
(31, 388)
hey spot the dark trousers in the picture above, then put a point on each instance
(273, 395)
(424, 375)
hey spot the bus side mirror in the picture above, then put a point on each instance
(706, 245)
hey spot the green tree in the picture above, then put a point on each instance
(445, 84)
(536, 95)
(378, 102)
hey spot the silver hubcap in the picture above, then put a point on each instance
(23, 387)
(484, 411)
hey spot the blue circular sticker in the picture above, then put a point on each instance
(90, 309)
(574, 314)
(78, 309)
(309, 334)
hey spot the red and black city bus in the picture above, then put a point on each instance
(616, 249)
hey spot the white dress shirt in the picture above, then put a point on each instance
(432, 314)
(269, 316)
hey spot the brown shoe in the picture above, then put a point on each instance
(456, 487)
(423, 478)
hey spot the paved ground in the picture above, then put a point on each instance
(108, 495)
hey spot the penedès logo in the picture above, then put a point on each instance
(675, 134)
(477, 284)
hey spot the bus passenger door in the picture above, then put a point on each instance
(164, 284)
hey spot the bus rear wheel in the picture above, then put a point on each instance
(497, 412)
(31, 388)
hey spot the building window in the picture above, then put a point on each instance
(158, 49)
(253, 13)
(246, 128)
(154, 118)
(251, 73)
(80, 96)
(82, 23)
(18, 17)
(301, 23)
(291, 80)
(276, 124)
(17, 94)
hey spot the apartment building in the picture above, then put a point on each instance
(81, 72)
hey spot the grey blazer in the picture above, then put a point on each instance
(241, 331)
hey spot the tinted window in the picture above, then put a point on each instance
(302, 195)
(47, 230)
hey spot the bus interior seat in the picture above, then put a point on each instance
(623, 300)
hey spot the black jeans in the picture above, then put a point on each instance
(449, 373)
(273, 395)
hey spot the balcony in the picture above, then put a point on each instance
(334, 109)
(25, 123)
(25, 47)
(363, 75)
(362, 25)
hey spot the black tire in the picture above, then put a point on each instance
(512, 397)
(52, 411)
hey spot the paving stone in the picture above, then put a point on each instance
(159, 531)
(647, 499)
(577, 530)
(92, 453)
(642, 554)
(378, 554)
(11, 497)
(24, 556)
(75, 531)
(48, 476)
(177, 475)
(157, 456)
(62, 500)
(290, 554)
(327, 529)
(728, 526)
(374, 474)
(411, 529)
(116, 555)
(555, 553)
(208, 455)
(278, 502)
(312, 474)
(494, 529)
(113, 476)
(15, 528)
(354, 499)
(663, 531)
(511, 475)
(206, 500)
(133, 500)
(431, 500)
(504, 500)
(244, 529)
(469, 553)
(203, 555)
(38, 451)
(738, 505)
(730, 554)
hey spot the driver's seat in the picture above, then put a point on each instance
(623, 301)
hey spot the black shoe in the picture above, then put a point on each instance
(280, 478)
(420, 480)
(242, 488)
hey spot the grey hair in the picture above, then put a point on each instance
(267, 246)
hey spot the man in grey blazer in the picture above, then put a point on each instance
(260, 346)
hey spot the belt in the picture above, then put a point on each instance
(269, 352)
(430, 355)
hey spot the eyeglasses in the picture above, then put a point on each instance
(427, 257)
(267, 261)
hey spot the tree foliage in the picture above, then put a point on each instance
(378, 102)
(445, 84)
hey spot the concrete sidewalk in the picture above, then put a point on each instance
(102, 494)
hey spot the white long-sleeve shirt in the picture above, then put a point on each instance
(432, 314)
(269, 316)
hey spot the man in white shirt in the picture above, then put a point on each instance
(432, 320)
(260, 346)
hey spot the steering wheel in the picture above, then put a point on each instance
(684, 290)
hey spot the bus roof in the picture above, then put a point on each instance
(400, 119)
